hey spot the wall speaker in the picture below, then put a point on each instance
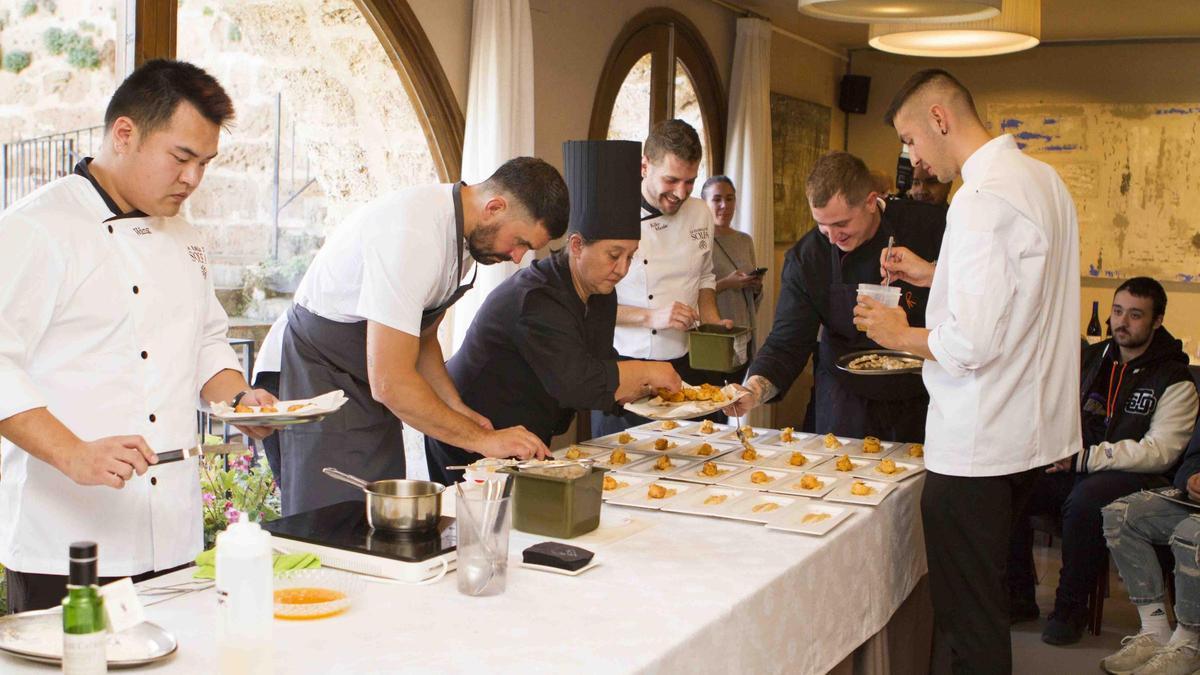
(852, 97)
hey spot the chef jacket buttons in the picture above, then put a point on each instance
(110, 230)
(153, 480)
(145, 355)
(153, 418)
(650, 297)
(135, 290)
(644, 261)
(654, 331)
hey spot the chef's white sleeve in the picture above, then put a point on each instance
(32, 270)
(984, 259)
(215, 353)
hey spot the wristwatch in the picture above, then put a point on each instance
(238, 399)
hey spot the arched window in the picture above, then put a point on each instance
(660, 68)
(338, 102)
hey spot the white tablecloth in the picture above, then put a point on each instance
(684, 594)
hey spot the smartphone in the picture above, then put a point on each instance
(759, 272)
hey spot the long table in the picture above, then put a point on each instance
(672, 594)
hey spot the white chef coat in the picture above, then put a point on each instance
(112, 324)
(1004, 313)
(391, 259)
(673, 263)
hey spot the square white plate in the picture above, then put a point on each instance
(792, 518)
(634, 457)
(647, 467)
(691, 449)
(585, 452)
(649, 443)
(791, 486)
(558, 570)
(799, 439)
(614, 440)
(691, 472)
(693, 501)
(718, 430)
(640, 498)
(763, 456)
(742, 480)
(782, 459)
(817, 444)
(757, 437)
(631, 483)
(841, 493)
(900, 454)
(855, 449)
(672, 427)
(745, 508)
(829, 466)
(904, 470)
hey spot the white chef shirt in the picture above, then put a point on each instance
(112, 324)
(1004, 313)
(673, 263)
(391, 259)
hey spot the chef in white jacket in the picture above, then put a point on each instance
(110, 334)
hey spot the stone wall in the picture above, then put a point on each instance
(347, 122)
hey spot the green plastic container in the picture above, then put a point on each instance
(712, 346)
(557, 507)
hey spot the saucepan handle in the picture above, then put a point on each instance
(345, 477)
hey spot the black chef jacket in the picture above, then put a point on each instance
(819, 291)
(533, 356)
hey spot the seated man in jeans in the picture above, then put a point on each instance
(1134, 526)
(1139, 408)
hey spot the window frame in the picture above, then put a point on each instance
(651, 32)
(156, 24)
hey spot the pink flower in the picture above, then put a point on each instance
(231, 515)
(209, 498)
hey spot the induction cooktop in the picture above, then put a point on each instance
(340, 536)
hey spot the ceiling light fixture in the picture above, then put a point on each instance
(922, 11)
(1016, 28)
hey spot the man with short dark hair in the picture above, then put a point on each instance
(821, 274)
(927, 188)
(541, 346)
(1001, 350)
(365, 320)
(671, 287)
(1139, 406)
(109, 334)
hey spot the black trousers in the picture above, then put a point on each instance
(1078, 498)
(604, 424)
(967, 526)
(28, 591)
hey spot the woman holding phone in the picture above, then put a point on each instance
(739, 279)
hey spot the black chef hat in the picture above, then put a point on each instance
(605, 183)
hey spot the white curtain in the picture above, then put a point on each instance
(499, 126)
(748, 160)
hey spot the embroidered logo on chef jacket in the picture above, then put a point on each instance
(1141, 402)
(142, 231)
(198, 256)
(700, 236)
(658, 226)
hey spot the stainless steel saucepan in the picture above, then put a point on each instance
(398, 505)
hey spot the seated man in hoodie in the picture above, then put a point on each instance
(1139, 408)
(1134, 526)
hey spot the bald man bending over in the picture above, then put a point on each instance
(1002, 338)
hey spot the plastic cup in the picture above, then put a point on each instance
(888, 296)
(483, 527)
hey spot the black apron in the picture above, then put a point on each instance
(890, 407)
(364, 438)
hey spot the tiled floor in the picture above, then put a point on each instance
(1031, 656)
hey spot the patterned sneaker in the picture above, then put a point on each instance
(1135, 651)
(1179, 658)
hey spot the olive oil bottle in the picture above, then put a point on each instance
(84, 637)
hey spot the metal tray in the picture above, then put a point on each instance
(843, 363)
(37, 636)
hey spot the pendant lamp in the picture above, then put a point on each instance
(923, 11)
(1016, 28)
